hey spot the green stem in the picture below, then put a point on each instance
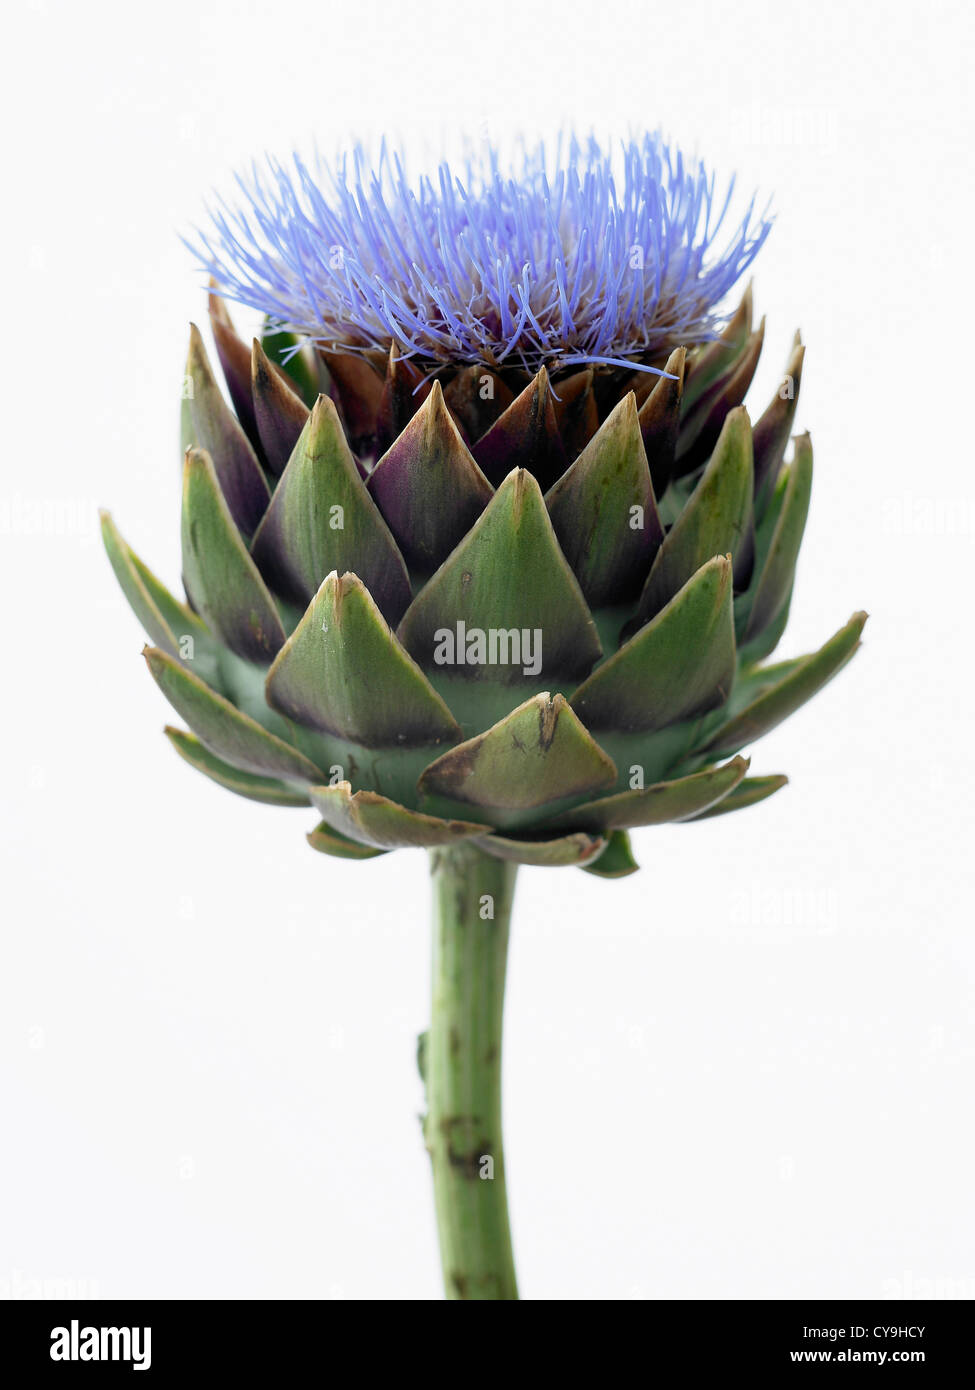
(461, 1062)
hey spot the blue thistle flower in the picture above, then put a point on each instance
(557, 263)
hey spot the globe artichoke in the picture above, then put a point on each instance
(486, 558)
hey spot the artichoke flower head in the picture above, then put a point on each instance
(482, 543)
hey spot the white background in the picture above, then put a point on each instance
(746, 1071)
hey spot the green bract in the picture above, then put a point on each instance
(526, 613)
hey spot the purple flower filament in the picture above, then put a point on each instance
(557, 263)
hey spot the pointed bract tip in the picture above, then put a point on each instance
(518, 478)
(323, 412)
(261, 365)
(217, 308)
(628, 410)
(523, 485)
(676, 363)
(332, 787)
(195, 457)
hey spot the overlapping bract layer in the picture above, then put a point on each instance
(524, 612)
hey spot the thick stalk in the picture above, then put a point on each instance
(461, 1064)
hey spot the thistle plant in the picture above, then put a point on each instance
(484, 554)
